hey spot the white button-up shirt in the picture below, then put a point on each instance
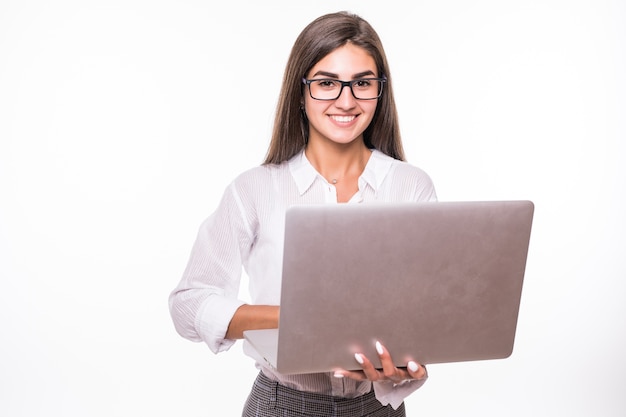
(247, 230)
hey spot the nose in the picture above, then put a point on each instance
(346, 99)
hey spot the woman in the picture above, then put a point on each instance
(335, 140)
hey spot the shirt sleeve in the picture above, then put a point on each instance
(205, 300)
(395, 394)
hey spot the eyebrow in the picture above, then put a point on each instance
(333, 75)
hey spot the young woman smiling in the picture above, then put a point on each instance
(335, 140)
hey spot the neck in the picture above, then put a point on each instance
(339, 162)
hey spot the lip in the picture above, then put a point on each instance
(343, 119)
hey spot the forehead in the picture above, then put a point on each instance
(345, 62)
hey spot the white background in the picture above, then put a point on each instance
(121, 122)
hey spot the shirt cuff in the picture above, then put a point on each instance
(213, 319)
(394, 394)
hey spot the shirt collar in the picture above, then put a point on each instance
(376, 170)
(302, 172)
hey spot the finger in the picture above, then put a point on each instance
(369, 370)
(415, 370)
(389, 369)
(356, 375)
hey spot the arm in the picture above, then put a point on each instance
(251, 317)
(206, 299)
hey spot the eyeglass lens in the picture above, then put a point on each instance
(328, 89)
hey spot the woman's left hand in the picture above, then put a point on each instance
(389, 371)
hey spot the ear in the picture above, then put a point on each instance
(303, 112)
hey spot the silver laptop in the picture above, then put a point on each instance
(433, 282)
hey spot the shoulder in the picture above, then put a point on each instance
(400, 168)
(260, 174)
(246, 196)
(259, 180)
(405, 178)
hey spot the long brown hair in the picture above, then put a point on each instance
(318, 39)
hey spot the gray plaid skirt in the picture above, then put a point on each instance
(270, 399)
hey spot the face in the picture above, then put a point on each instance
(345, 119)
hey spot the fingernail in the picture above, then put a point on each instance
(379, 348)
(413, 367)
(358, 358)
(338, 374)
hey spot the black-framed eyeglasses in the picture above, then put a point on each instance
(330, 89)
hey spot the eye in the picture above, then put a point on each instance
(363, 83)
(326, 83)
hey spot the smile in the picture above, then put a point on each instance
(343, 119)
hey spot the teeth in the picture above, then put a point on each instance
(343, 119)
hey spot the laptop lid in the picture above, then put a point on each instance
(433, 282)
